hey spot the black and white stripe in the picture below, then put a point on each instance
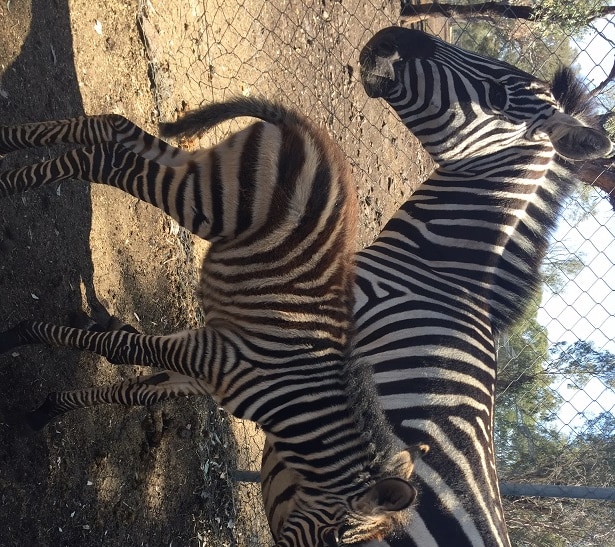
(277, 202)
(455, 266)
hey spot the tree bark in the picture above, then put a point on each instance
(598, 89)
(557, 491)
(597, 173)
(415, 13)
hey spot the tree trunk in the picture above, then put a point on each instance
(420, 12)
(597, 173)
(557, 491)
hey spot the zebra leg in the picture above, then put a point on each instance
(120, 347)
(192, 193)
(141, 390)
(171, 189)
(91, 130)
(137, 391)
(205, 354)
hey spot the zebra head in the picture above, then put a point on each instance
(462, 106)
(369, 510)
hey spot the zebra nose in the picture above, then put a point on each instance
(402, 43)
(377, 71)
(377, 77)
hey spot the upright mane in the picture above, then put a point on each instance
(574, 97)
(363, 400)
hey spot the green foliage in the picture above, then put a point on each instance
(609, 126)
(527, 405)
(525, 402)
(572, 16)
(520, 43)
(559, 267)
(601, 430)
(581, 361)
(583, 204)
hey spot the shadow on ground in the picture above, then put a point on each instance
(106, 476)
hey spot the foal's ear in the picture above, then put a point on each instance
(390, 494)
(417, 451)
(575, 141)
(402, 463)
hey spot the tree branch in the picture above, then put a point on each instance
(597, 173)
(601, 86)
(415, 13)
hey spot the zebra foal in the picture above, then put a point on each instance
(277, 203)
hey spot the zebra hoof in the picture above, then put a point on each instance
(80, 320)
(36, 420)
(10, 339)
(39, 418)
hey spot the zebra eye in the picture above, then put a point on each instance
(386, 48)
(497, 96)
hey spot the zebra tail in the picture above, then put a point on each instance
(199, 121)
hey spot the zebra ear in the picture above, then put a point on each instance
(390, 494)
(575, 141)
(417, 451)
(402, 463)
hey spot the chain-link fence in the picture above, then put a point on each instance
(555, 417)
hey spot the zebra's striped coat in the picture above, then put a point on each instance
(277, 203)
(456, 265)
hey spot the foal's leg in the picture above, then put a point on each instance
(140, 390)
(181, 192)
(91, 130)
(209, 355)
(203, 192)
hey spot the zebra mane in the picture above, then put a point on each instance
(371, 419)
(574, 98)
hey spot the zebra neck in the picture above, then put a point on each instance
(486, 233)
(509, 160)
(352, 436)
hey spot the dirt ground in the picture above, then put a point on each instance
(111, 475)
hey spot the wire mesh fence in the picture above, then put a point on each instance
(555, 421)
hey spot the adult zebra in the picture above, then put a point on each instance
(277, 202)
(456, 265)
